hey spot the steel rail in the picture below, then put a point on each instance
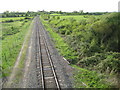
(40, 30)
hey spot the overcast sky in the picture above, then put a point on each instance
(57, 5)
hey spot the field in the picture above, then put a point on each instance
(55, 14)
(13, 34)
(11, 19)
(76, 17)
(93, 45)
(6, 19)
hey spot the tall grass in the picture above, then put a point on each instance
(11, 45)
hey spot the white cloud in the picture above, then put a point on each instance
(64, 5)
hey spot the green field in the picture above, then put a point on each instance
(76, 17)
(12, 19)
(13, 34)
(55, 14)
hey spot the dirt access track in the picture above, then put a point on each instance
(44, 67)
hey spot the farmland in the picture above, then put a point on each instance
(12, 19)
(89, 43)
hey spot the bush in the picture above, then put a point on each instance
(102, 62)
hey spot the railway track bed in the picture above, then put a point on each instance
(47, 69)
(46, 74)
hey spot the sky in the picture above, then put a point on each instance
(59, 5)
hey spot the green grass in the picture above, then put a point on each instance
(78, 17)
(55, 14)
(12, 18)
(88, 79)
(11, 45)
(11, 28)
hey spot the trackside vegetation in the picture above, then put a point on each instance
(91, 44)
(13, 34)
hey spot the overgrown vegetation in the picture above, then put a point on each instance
(87, 79)
(93, 39)
(13, 34)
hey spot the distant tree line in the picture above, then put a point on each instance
(31, 13)
(77, 13)
(19, 14)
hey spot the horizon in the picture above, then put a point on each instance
(57, 11)
(60, 5)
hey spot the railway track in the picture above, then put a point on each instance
(46, 75)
